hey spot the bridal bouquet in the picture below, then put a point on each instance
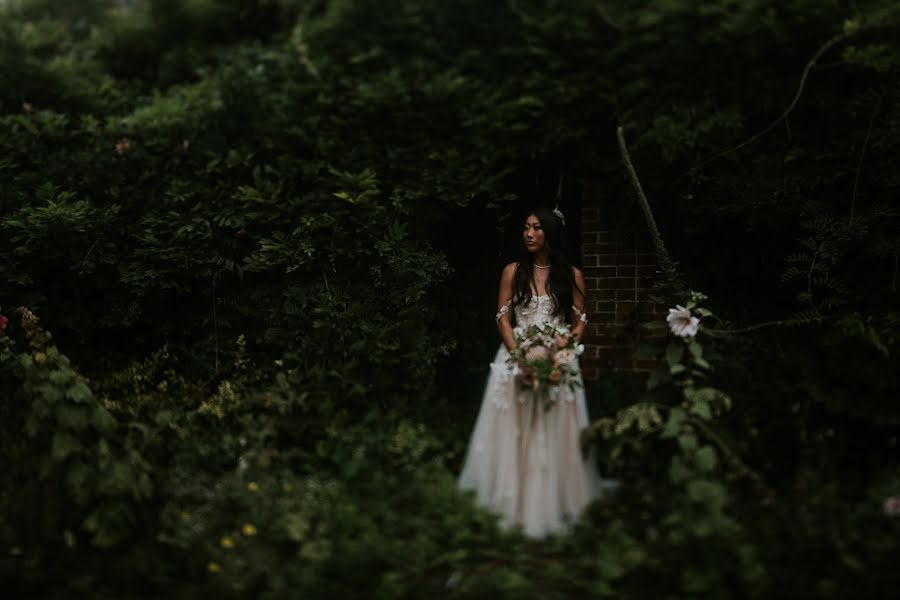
(545, 357)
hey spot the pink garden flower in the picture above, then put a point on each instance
(123, 146)
(891, 506)
(681, 322)
(3, 322)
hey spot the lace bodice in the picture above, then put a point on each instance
(538, 310)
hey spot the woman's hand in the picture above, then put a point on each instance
(562, 341)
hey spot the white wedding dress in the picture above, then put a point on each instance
(526, 464)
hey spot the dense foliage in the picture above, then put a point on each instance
(254, 243)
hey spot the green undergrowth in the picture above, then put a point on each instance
(266, 235)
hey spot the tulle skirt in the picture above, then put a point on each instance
(526, 464)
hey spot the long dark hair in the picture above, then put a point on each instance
(561, 280)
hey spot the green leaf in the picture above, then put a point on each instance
(673, 424)
(103, 420)
(79, 392)
(674, 352)
(706, 458)
(687, 442)
(63, 445)
(657, 377)
(696, 349)
(678, 471)
(701, 409)
(296, 526)
(712, 494)
(72, 417)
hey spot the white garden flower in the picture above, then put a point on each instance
(681, 322)
(579, 349)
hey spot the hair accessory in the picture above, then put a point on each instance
(559, 214)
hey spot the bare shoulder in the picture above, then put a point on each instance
(507, 281)
(509, 271)
(576, 272)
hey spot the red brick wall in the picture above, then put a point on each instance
(619, 263)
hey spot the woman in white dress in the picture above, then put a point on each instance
(522, 463)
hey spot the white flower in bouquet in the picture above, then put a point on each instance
(564, 357)
(579, 349)
(681, 322)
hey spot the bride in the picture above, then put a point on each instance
(527, 465)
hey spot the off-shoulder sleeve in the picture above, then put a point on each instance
(503, 310)
(582, 316)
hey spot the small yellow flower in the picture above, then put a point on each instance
(252, 486)
(248, 529)
(185, 516)
(226, 542)
(40, 358)
(213, 567)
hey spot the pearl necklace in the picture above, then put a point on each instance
(541, 267)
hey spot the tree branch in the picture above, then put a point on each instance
(606, 18)
(862, 154)
(767, 324)
(809, 65)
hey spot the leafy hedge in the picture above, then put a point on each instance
(263, 235)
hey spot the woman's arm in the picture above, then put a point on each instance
(504, 304)
(579, 316)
